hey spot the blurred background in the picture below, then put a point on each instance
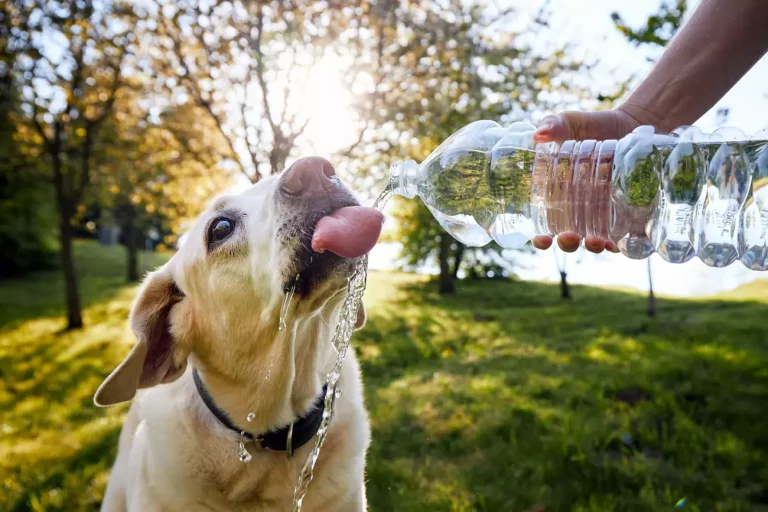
(496, 380)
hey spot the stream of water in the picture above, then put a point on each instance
(345, 327)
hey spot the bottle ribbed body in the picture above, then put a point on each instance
(682, 195)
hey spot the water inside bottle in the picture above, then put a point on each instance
(728, 183)
(342, 335)
(510, 182)
(456, 192)
(482, 195)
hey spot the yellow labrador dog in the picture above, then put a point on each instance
(212, 359)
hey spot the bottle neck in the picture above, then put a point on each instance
(403, 179)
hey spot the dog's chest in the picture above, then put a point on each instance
(265, 483)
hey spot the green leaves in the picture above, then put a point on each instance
(659, 28)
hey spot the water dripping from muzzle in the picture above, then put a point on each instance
(282, 325)
(342, 335)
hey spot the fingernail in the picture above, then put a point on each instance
(546, 127)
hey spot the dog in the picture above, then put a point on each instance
(215, 364)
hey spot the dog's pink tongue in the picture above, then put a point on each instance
(348, 232)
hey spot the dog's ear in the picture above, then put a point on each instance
(156, 358)
(361, 317)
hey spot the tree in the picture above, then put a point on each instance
(565, 289)
(153, 173)
(433, 69)
(657, 31)
(245, 65)
(67, 63)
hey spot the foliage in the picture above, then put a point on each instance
(66, 65)
(65, 60)
(501, 398)
(27, 227)
(659, 28)
(150, 178)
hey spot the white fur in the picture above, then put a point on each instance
(173, 453)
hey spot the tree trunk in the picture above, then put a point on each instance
(131, 241)
(66, 211)
(651, 297)
(447, 284)
(72, 292)
(565, 290)
(457, 260)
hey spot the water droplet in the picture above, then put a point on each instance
(251, 417)
(338, 393)
(242, 453)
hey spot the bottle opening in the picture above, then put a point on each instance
(403, 179)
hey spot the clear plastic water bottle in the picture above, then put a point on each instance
(681, 194)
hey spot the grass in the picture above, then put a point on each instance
(56, 447)
(501, 398)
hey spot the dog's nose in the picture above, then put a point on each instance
(307, 176)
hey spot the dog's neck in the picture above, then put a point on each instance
(278, 381)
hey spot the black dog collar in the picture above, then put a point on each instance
(286, 439)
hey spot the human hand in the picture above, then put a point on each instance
(575, 125)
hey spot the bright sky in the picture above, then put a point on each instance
(587, 24)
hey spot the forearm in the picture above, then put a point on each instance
(719, 44)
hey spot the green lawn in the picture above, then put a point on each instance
(502, 398)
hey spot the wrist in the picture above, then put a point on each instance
(634, 115)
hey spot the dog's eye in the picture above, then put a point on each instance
(220, 229)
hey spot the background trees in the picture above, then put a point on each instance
(65, 60)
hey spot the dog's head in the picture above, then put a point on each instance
(220, 296)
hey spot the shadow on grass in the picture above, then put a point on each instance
(504, 397)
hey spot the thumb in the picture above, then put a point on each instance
(570, 125)
(576, 125)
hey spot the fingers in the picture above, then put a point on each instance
(576, 125)
(594, 244)
(551, 128)
(542, 242)
(570, 125)
(570, 242)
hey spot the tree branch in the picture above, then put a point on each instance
(196, 93)
(256, 47)
(36, 123)
(107, 109)
(351, 148)
(85, 161)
